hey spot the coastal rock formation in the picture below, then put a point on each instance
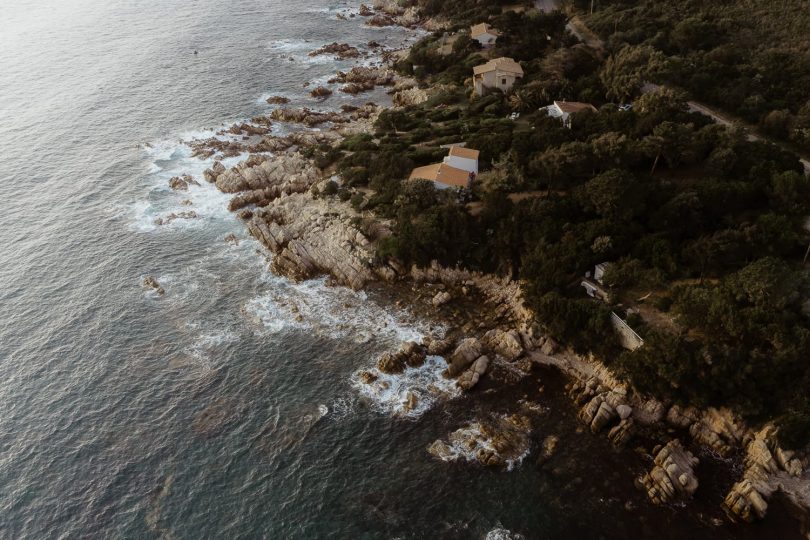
(672, 475)
(718, 429)
(470, 378)
(150, 282)
(311, 237)
(181, 183)
(494, 441)
(438, 347)
(409, 355)
(409, 96)
(768, 468)
(307, 116)
(340, 50)
(288, 173)
(278, 100)
(363, 78)
(321, 92)
(190, 214)
(507, 344)
(467, 351)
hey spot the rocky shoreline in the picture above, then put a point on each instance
(279, 193)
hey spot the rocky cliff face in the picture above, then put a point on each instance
(312, 237)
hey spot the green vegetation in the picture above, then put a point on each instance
(750, 58)
(704, 223)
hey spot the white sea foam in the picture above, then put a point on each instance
(336, 312)
(390, 394)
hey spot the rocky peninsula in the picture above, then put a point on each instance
(302, 214)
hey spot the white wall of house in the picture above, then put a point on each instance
(465, 164)
(487, 39)
(494, 79)
(555, 112)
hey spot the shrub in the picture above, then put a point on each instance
(331, 188)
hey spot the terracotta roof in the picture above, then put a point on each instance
(482, 28)
(442, 173)
(499, 64)
(460, 151)
(572, 107)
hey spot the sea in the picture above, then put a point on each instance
(230, 407)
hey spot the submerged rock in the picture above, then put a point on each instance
(495, 441)
(409, 355)
(278, 100)
(151, 283)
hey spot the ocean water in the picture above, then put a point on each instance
(215, 410)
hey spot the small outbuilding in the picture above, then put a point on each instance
(564, 110)
(484, 34)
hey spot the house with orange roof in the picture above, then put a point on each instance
(458, 170)
(501, 73)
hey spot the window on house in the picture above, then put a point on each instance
(503, 82)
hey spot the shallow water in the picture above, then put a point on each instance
(212, 411)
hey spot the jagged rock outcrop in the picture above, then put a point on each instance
(507, 344)
(340, 50)
(409, 96)
(181, 183)
(438, 347)
(494, 441)
(278, 100)
(467, 351)
(718, 429)
(307, 116)
(276, 175)
(409, 355)
(312, 237)
(470, 378)
(768, 468)
(672, 476)
(682, 417)
(621, 433)
(598, 413)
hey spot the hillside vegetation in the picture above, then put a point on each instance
(749, 57)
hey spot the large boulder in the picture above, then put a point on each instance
(470, 378)
(467, 351)
(672, 476)
(506, 344)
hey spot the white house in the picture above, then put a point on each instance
(458, 170)
(463, 158)
(484, 34)
(564, 110)
(501, 73)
